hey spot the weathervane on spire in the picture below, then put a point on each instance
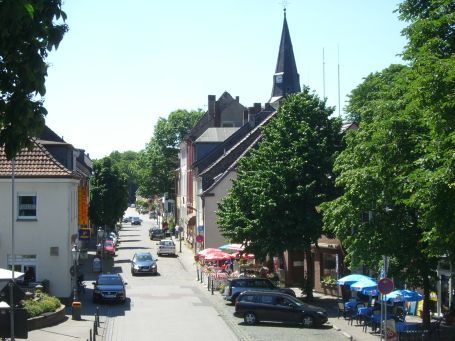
(284, 3)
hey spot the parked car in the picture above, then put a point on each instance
(109, 247)
(127, 219)
(136, 221)
(236, 286)
(114, 237)
(256, 306)
(166, 247)
(156, 233)
(143, 262)
(109, 287)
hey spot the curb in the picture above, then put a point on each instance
(47, 320)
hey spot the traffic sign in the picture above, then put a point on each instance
(385, 286)
(199, 238)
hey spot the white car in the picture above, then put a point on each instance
(166, 247)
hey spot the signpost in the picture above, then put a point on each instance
(385, 286)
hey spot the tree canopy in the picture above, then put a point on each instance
(157, 163)
(28, 31)
(273, 204)
(127, 163)
(399, 165)
(108, 193)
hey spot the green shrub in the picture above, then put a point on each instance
(42, 303)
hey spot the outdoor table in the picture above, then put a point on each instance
(349, 305)
(406, 326)
(364, 311)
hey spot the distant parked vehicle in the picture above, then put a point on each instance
(236, 286)
(127, 219)
(109, 287)
(256, 306)
(136, 221)
(166, 247)
(143, 263)
(156, 233)
(109, 247)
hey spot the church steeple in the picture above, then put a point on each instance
(286, 79)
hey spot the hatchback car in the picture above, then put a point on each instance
(155, 233)
(109, 247)
(236, 286)
(109, 287)
(143, 263)
(135, 221)
(166, 247)
(256, 306)
(127, 219)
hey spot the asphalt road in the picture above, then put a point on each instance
(173, 305)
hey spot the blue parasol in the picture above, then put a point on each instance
(351, 279)
(366, 286)
(404, 295)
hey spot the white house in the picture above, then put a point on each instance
(44, 218)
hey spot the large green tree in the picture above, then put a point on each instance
(108, 193)
(29, 29)
(127, 163)
(273, 204)
(398, 168)
(157, 163)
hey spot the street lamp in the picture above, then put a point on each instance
(75, 253)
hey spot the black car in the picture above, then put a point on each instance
(109, 287)
(135, 221)
(155, 233)
(256, 306)
(236, 286)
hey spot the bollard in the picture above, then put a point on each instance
(90, 335)
(208, 282)
(202, 277)
(95, 328)
(98, 317)
(94, 336)
(197, 272)
(212, 286)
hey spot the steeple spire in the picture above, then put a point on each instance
(286, 79)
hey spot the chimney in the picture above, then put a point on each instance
(257, 107)
(237, 99)
(211, 106)
(245, 116)
(251, 115)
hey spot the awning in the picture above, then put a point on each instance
(7, 274)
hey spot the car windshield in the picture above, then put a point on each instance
(110, 280)
(108, 243)
(145, 257)
(135, 218)
(166, 242)
(295, 301)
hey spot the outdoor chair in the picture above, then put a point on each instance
(341, 310)
(368, 322)
(434, 329)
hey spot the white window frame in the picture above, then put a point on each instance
(26, 194)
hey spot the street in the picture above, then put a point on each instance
(174, 305)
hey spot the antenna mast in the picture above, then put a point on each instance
(339, 100)
(323, 74)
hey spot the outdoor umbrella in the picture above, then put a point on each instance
(365, 286)
(216, 256)
(351, 279)
(205, 252)
(404, 295)
(7, 274)
(243, 255)
(231, 247)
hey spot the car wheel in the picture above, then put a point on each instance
(307, 321)
(250, 318)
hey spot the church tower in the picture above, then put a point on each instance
(286, 79)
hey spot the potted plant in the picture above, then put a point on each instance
(329, 285)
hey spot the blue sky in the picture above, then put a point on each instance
(124, 64)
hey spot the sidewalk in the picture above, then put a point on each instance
(72, 329)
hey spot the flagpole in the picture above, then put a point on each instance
(11, 285)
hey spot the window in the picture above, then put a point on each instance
(267, 299)
(328, 265)
(26, 206)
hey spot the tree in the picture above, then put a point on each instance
(108, 193)
(159, 160)
(127, 163)
(28, 32)
(273, 204)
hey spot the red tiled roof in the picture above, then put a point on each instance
(34, 163)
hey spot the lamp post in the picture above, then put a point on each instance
(75, 253)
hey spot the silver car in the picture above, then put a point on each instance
(143, 263)
(166, 247)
